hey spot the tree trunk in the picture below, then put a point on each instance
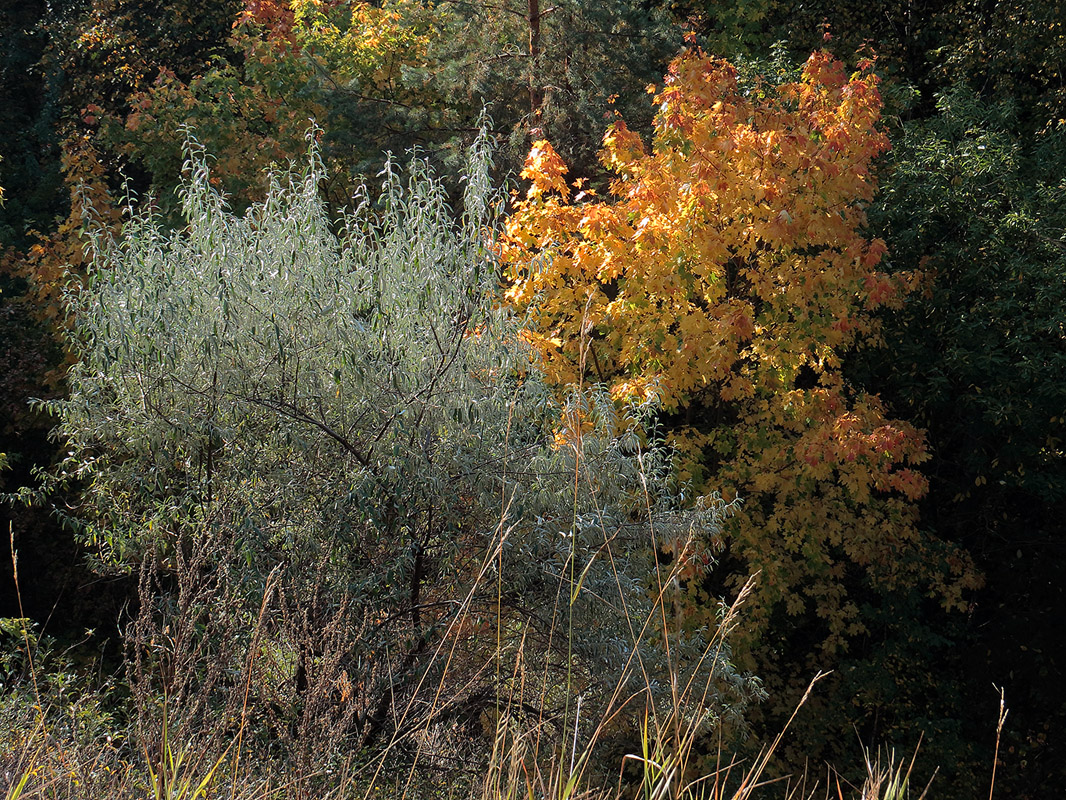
(536, 95)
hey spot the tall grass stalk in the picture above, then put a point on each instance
(22, 616)
(999, 732)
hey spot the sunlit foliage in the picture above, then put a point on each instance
(728, 273)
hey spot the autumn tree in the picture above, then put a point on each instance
(728, 273)
(109, 49)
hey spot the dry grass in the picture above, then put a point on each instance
(53, 755)
(201, 722)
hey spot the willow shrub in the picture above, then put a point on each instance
(326, 449)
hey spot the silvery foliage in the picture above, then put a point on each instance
(350, 394)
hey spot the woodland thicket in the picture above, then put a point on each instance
(647, 298)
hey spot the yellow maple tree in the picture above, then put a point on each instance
(728, 273)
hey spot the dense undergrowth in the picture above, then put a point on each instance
(70, 735)
(374, 554)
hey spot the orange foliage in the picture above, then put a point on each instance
(275, 18)
(729, 273)
(59, 257)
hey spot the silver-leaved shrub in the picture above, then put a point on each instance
(324, 447)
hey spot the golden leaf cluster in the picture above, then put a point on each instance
(729, 273)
